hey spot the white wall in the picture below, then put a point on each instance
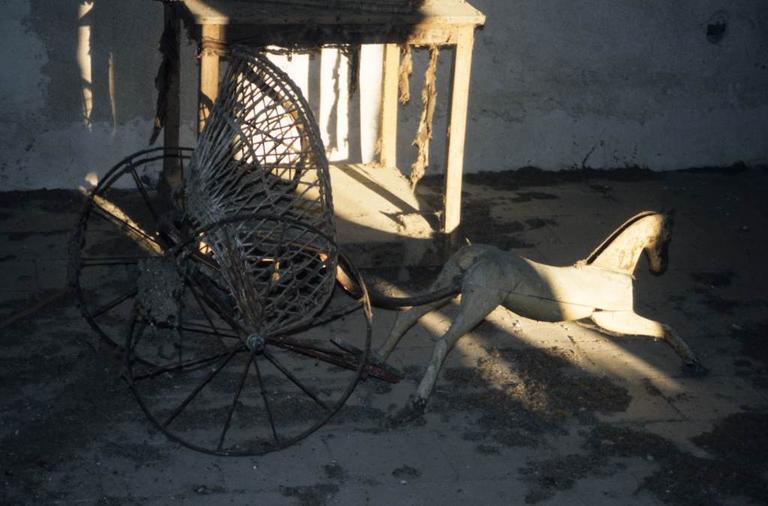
(77, 90)
(556, 84)
(634, 82)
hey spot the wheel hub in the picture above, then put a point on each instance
(256, 342)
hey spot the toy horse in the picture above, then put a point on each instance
(598, 288)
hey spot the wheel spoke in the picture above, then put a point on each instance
(114, 303)
(186, 365)
(200, 290)
(179, 346)
(129, 355)
(344, 360)
(322, 319)
(213, 331)
(301, 346)
(273, 360)
(179, 343)
(205, 312)
(143, 325)
(266, 401)
(128, 225)
(143, 191)
(198, 388)
(100, 261)
(231, 412)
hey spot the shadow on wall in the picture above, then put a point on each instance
(80, 88)
(102, 57)
(96, 77)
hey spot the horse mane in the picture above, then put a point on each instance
(603, 245)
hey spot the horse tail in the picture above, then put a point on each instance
(381, 300)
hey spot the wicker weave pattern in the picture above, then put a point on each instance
(261, 155)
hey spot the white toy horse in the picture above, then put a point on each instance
(598, 287)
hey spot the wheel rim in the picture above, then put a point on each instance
(118, 227)
(223, 397)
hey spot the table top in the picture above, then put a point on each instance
(243, 12)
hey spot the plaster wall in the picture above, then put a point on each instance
(607, 83)
(77, 87)
(555, 84)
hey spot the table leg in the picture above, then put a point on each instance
(388, 133)
(209, 72)
(171, 165)
(457, 126)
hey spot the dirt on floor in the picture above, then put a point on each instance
(520, 394)
(65, 407)
(737, 445)
(42, 436)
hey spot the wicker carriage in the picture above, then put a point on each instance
(211, 298)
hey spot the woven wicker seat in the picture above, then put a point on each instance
(259, 181)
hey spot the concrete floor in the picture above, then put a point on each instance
(524, 412)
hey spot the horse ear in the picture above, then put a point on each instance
(670, 217)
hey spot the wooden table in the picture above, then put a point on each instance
(437, 22)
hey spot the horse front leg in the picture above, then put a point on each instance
(630, 323)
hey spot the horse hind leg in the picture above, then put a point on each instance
(630, 323)
(406, 319)
(476, 304)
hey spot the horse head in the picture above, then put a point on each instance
(657, 249)
(648, 233)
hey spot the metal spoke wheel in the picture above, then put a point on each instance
(210, 383)
(125, 221)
